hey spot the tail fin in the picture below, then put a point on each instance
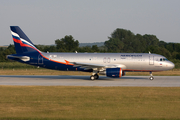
(21, 41)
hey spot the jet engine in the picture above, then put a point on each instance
(114, 72)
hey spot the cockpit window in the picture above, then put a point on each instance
(163, 59)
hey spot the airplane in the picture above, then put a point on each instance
(113, 65)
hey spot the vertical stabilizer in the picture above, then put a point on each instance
(21, 41)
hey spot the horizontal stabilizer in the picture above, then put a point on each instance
(23, 58)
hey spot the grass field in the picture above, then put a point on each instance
(87, 103)
(174, 72)
(96, 103)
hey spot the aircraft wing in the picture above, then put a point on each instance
(98, 67)
(88, 66)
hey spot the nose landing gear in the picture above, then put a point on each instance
(151, 76)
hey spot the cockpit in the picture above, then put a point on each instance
(164, 59)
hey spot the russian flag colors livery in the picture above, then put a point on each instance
(21, 41)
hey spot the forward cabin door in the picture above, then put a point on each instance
(151, 60)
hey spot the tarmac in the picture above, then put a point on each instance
(131, 81)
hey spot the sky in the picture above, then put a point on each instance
(89, 21)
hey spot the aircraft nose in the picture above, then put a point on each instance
(171, 65)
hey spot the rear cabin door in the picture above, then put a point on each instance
(40, 59)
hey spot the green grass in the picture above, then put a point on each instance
(15, 65)
(96, 103)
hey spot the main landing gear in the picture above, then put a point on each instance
(94, 76)
(151, 76)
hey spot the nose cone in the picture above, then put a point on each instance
(171, 65)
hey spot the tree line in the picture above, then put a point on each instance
(121, 40)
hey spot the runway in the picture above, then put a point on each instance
(141, 81)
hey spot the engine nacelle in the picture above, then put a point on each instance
(114, 72)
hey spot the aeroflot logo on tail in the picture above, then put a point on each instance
(21, 41)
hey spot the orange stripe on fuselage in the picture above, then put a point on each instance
(66, 63)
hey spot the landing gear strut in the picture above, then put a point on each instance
(94, 76)
(151, 76)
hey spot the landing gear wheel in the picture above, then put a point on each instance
(96, 76)
(151, 78)
(92, 77)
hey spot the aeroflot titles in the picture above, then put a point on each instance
(131, 55)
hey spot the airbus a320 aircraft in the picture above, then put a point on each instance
(109, 64)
